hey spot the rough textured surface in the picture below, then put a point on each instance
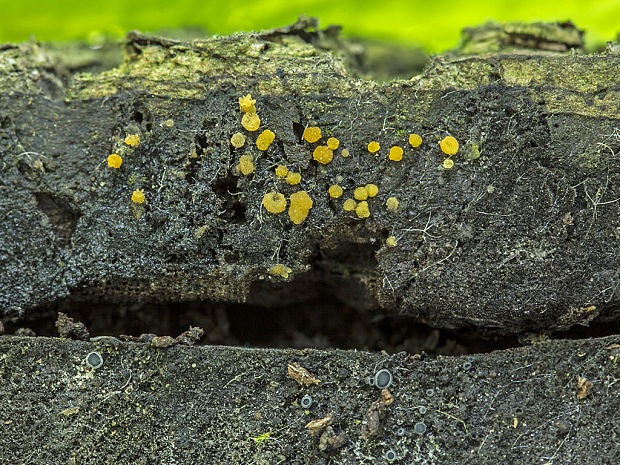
(523, 232)
(232, 405)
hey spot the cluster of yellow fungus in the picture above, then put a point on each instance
(265, 139)
(301, 203)
(280, 270)
(133, 140)
(237, 140)
(415, 140)
(335, 191)
(333, 143)
(246, 164)
(362, 210)
(250, 120)
(281, 171)
(323, 154)
(392, 203)
(274, 202)
(360, 193)
(247, 104)
(396, 153)
(391, 241)
(114, 161)
(293, 178)
(138, 196)
(349, 205)
(312, 134)
(371, 190)
(373, 147)
(449, 145)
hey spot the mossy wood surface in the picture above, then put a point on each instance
(522, 233)
(552, 402)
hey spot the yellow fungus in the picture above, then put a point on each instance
(449, 145)
(138, 196)
(396, 153)
(312, 134)
(360, 193)
(280, 270)
(372, 190)
(132, 140)
(281, 171)
(274, 202)
(362, 210)
(246, 165)
(246, 104)
(265, 139)
(349, 205)
(373, 147)
(448, 164)
(301, 203)
(345, 153)
(237, 140)
(114, 161)
(391, 241)
(169, 123)
(392, 203)
(415, 140)
(250, 121)
(293, 178)
(323, 154)
(333, 143)
(335, 191)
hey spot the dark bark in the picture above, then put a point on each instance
(551, 402)
(522, 234)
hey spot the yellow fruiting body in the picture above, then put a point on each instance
(449, 145)
(396, 153)
(333, 143)
(246, 165)
(237, 140)
(415, 140)
(293, 178)
(373, 147)
(448, 164)
(362, 210)
(138, 196)
(265, 139)
(169, 123)
(250, 121)
(345, 153)
(280, 270)
(391, 241)
(360, 193)
(335, 191)
(133, 140)
(301, 203)
(323, 154)
(114, 160)
(371, 190)
(246, 104)
(281, 171)
(392, 203)
(349, 205)
(312, 134)
(274, 202)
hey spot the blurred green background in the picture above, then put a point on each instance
(434, 25)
